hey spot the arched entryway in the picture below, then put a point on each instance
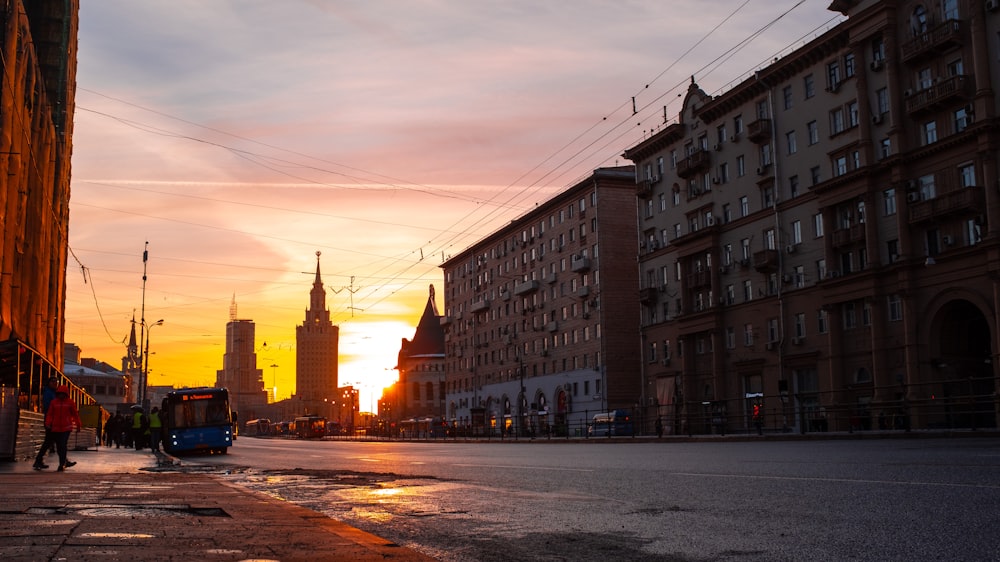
(961, 385)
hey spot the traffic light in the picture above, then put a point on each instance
(756, 411)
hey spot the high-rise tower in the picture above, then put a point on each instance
(316, 345)
(239, 371)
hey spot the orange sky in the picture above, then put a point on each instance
(239, 138)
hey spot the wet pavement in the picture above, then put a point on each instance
(122, 504)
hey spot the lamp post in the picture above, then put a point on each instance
(145, 368)
(274, 382)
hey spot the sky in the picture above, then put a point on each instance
(234, 139)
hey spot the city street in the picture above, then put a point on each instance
(872, 499)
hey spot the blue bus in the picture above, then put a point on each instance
(197, 419)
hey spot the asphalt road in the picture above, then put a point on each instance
(873, 499)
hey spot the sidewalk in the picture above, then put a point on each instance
(107, 508)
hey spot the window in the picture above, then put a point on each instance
(849, 65)
(889, 202)
(963, 118)
(878, 51)
(724, 172)
(895, 308)
(747, 290)
(730, 294)
(800, 325)
(800, 276)
(744, 206)
(727, 213)
(745, 248)
(721, 134)
(839, 166)
(973, 231)
(815, 174)
(762, 109)
(967, 175)
(833, 76)
(882, 101)
(892, 248)
(793, 186)
(748, 334)
(741, 167)
(772, 329)
(949, 9)
(796, 232)
(659, 171)
(790, 142)
(813, 130)
(850, 319)
(924, 80)
(818, 225)
(786, 95)
(930, 132)
(927, 188)
(837, 123)
(810, 86)
(737, 125)
(730, 338)
(955, 68)
(821, 322)
(852, 114)
(886, 147)
(918, 20)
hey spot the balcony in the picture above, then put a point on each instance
(505, 295)
(944, 92)
(479, 305)
(849, 235)
(940, 39)
(648, 295)
(699, 279)
(962, 200)
(583, 291)
(759, 130)
(552, 326)
(526, 287)
(644, 189)
(445, 320)
(765, 260)
(579, 263)
(698, 161)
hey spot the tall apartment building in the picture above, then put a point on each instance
(819, 243)
(541, 325)
(239, 373)
(316, 354)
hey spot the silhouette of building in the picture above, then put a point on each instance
(239, 373)
(37, 103)
(541, 320)
(420, 391)
(820, 242)
(316, 354)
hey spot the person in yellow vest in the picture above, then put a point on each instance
(155, 429)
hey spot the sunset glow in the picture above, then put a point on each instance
(386, 144)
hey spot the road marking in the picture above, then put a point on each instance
(559, 469)
(842, 480)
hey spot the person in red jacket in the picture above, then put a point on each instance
(60, 420)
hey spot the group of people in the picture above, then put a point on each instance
(137, 430)
(62, 417)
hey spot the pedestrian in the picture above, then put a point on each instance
(117, 429)
(48, 442)
(137, 428)
(155, 429)
(61, 419)
(659, 427)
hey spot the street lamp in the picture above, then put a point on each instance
(274, 382)
(145, 368)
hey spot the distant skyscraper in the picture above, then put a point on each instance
(316, 353)
(239, 368)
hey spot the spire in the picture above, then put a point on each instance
(232, 309)
(317, 297)
(428, 340)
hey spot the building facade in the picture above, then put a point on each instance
(316, 354)
(819, 244)
(420, 390)
(239, 373)
(541, 323)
